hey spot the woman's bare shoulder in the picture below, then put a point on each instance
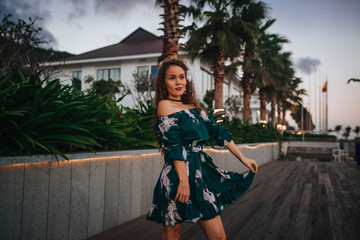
(165, 108)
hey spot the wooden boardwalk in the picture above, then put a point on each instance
(287, 200)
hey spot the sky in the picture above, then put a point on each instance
(324, 39)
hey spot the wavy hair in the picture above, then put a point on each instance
(161, 92)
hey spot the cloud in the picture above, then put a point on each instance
(79, 9)
(120, 7)
(23, 9)
(307, 65)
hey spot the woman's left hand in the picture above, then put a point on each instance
(251, 164)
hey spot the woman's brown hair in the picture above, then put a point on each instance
(189, 97)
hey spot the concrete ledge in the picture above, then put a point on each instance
(45, 199)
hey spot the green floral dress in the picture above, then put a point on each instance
(183, 135)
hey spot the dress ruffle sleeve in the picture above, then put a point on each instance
(168, 131)
(222, 135)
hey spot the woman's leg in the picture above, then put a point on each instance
(213, 228)
(172, 233)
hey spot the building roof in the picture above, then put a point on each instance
(137, 43)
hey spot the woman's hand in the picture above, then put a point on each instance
(183, 192)
(251, 164)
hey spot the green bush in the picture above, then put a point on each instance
(292, 136)
(55, 118)
(251, 133)
(248, 133)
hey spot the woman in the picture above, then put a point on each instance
(191, 188)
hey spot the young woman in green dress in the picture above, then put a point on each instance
(191, 188)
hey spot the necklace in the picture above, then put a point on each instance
(174, 100)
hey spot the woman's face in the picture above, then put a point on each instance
(175, 81)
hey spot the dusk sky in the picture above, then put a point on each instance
(324, 38)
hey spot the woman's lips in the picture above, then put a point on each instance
(178, 89)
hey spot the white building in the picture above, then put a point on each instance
(137, 54)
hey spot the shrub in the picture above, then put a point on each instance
(58, 118)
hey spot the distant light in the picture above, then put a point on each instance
(263, 122)
(219, 121)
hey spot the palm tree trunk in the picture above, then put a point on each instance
(246, 85)
(279, 107)
(171, 30)
(219, 72)
(283, 116)
(272, 113)
(262, 94)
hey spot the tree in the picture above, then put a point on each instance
(18, 41)
(209, 98)
(251, 13)
(337, 129)
(218, 40)
(221, 38)
(292, 97)
(306, 116)
(105, 88)
(346, 134)
(19, 46)
(357, 131)
(171, 29)
(353, 80)
(267, 64)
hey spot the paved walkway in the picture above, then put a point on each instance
(287, 200)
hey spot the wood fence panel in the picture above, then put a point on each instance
(111, 194)
(136, 176)
(146, 183)
(59, 200)
(96, 197)
(79, 208)
(124, 190)
(11, 188)
(35, 202)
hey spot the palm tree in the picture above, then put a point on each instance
(214, 42)
(292, 97)
(346, 134)
(252, 13)
(226, 25)
(269, 62)
(171, 29)
(353, 80)
(337, 129)
(357, 131)
(307, 119)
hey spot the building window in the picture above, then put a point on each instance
(76, 78)
(207, 80)
(144, 81)
(106, 74)
(154, 70)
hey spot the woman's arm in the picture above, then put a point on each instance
(251, 164)
(183, 191)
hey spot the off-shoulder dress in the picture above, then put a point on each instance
(183, 135)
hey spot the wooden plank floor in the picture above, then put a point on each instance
(287, 200)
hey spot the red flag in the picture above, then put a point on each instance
(324, 89)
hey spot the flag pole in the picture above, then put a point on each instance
(326, 111)
(320, 107)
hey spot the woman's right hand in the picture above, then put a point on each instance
(183, 192)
